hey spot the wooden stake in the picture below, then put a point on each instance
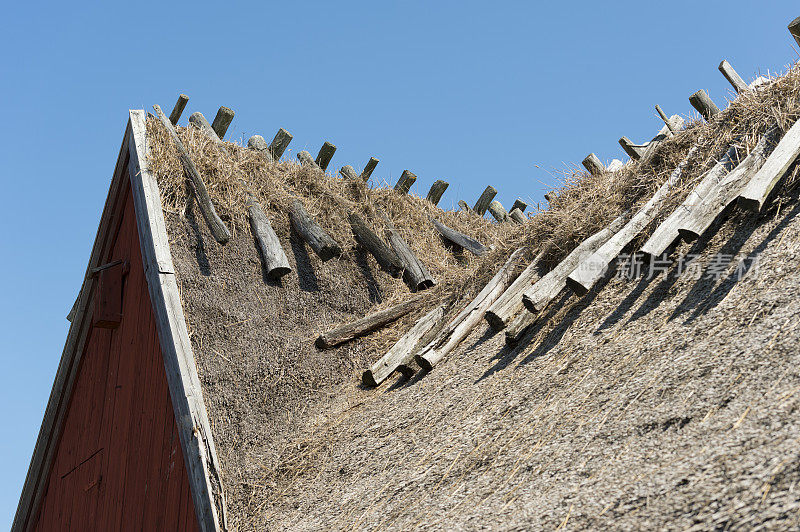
(794, 29)
(593, 164)
(463, 205)
(275, 262)
(305, 159)
(222, 121)
(509, 304)
(280, 143)
(461, 326)
(309, 230)
(519, 204)
(325, 155)
(460, 239)
(403, 184)
(366, 324)
(199, 121)
(414, 272)
(177, 111)
(785, 153)
(368, 168)
(496, 209)
(215, 224)
(436, 191)
(634, 151)
(733, 78)
(385, 257)
(704, 105)
(484, 200)
(519, 326)
(402, 353)
(257, 143)
(667, 121)
(652, 146)
(348, 172)
(517, 216)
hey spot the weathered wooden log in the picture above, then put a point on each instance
(663, 134)
(757, 191)
(414, 272)
(723, 193)
(437, 189)
(517, 216)
(666, 233)
(402, 353)
(177, 111)
(548, 287)
(199, 121)
(403, 184)
(222, 121)
(484, 200)
(593, 164)
(794, 29)
(218, 229)
(461, 326)
(667, 121)
(509, 304)
(591, 269)
(305, 159)
(275, 262)
(615, 165)
(280, 143)
(519, 204)
(348, 172)
(704, 104)
(463, 205)
(460, 239)
(384, 256)
(732, 76)
(257, 143)
(520, 326)
(365, 325)
(369, 168)
(325, 155)
(310, 231)
(499, 212)
(634, 151)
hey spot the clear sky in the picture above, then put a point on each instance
(474, 93)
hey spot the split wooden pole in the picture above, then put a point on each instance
(367, 324)
(414, 271)
(199, 121)
(634, 151)
(218, 229)
(499, 213)
(369, 168)
(484, 200)
(761, 185)
(384, 256)
(403, 184)
(280, 143)
(704, 104)
(222, 121)
(519, 326)
(177, 111)
(325, 155)
(309, 230)
(519, 204)
(732, 76)
(593, 164)
(272, 254)
(460, 239)
(436, 191)
(509, 304)
(517, 216)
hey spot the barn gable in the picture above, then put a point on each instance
(125, 436)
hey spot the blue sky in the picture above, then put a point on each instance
(474, 93)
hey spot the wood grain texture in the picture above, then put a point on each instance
(383, 254)
(517, 216)
(463, 206)
(222, 121)
(177, 111)
(519, 204)
(757, 191)
(509, 304)
(593, 164)
(460, 239)
(348, 172)
(279, 143)
(309, 230)
(499, 213)
(276, 265)
(365, 325)
(732, 76)
(437, 189)
(215, 224)
(199, 121)
(257, 143)
(520, 326)
(403, 185)
(633, 150)
(415, 273)
(484, 200)
(325, 155)
(369, 168)
(305, 159)
(704, 105)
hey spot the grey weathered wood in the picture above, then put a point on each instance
(437, 189)
(704, 213)
(186, 393)
(509, 304)
(309, 230)
(461, 326)
(215, 224)
(666, 233)
(519, 204)
(794, 29)
(403, 184)
(663, 134)
(305, 159)
(348, 172)
(704, 104)
(384, 256)
(732, 76)
(460, 239)
(414, 272)
(402, 352)
(279, 143)
(257, 143)
(757, 191)
(633, 150)
(367, 324)
(199, 121)
(325, 155)
(499, 213)
(548, 287)
(222, 121)
(517, 216)
(591, 269)
(463, 205)
(177, 111)
(484, 200)
(520, 326)
(369, 168)
(667, 121)
(275, 262)
(593, 164)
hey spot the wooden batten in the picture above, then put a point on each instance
(272, 254)
(517, 216)
(759, 188)
(305, 159)
(463, 205)
(177, 111)
(384, 256)
(667, 122)
(519, 204)
(499, 212)
(310, 231)
(222, 121)
(633, 150)
(348, 172)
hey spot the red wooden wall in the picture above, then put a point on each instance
(118, 464)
